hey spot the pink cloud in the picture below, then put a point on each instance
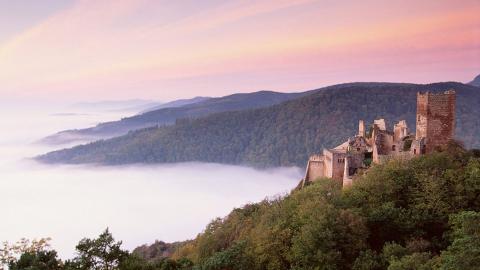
(112, 48)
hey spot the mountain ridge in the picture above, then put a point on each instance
(475, 81)
(177, 103)
(168, 115)
(284, 134)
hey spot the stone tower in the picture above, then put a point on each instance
(435, 119)
(361, 128)
(400, 130)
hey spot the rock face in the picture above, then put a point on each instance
(157, 250)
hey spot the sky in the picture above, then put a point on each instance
(85, 50)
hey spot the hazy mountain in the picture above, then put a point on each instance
(476, 81)
(136, 105)
(168, 116)
(281, 135)
(177, 103)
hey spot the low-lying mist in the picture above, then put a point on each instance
(138, 203)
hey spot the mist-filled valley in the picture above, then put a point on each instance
(138, 203)
(239, 135)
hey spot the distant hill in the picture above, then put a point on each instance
(133, 105)
(476, 81)
(168, 115)
(280, 135)
(177, 103)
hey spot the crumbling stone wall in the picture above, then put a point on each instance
(357, 147)
(422, 109)
(436, 119)
(357, 144)
(315, 168)
(334, 163)
(356, 160)
(418, 147)
(380, 123)
(435, 125)
(382, 144)
(400, 130)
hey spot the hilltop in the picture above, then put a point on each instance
(177, 103)
(416, 214)
(476, 81)
(284, 134)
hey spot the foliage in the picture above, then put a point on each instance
(464, 252)
(422, 213)
(9, 252)
(102, 253)
(401, 215)
(37, 260)
(415, 261)
(280, 135)
(157, 250)
(233, 258)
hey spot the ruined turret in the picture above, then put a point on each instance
(435, 119)
(400, 130)
(435, 127)
(381, 124)
(347, 178)
(361, 128)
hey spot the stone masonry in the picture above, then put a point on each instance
(435, 127)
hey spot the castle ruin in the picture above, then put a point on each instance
(435, 127)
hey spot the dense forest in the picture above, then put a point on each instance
(418, 214)
(280, 135)
(167, 114)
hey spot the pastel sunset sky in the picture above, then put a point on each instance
(155, 49)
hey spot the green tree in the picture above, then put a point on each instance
(134, 262)
(233, 258)
(415, 261)
(10, 252)
(369, 260)
(102, 253)
(464, 252)
(330, 239)
(39, 260)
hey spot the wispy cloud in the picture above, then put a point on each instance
(120, 46)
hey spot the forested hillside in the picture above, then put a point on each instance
(417, 214)
(281, 135)
(192, 108)
(423, 214)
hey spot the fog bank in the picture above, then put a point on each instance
(138, 203)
